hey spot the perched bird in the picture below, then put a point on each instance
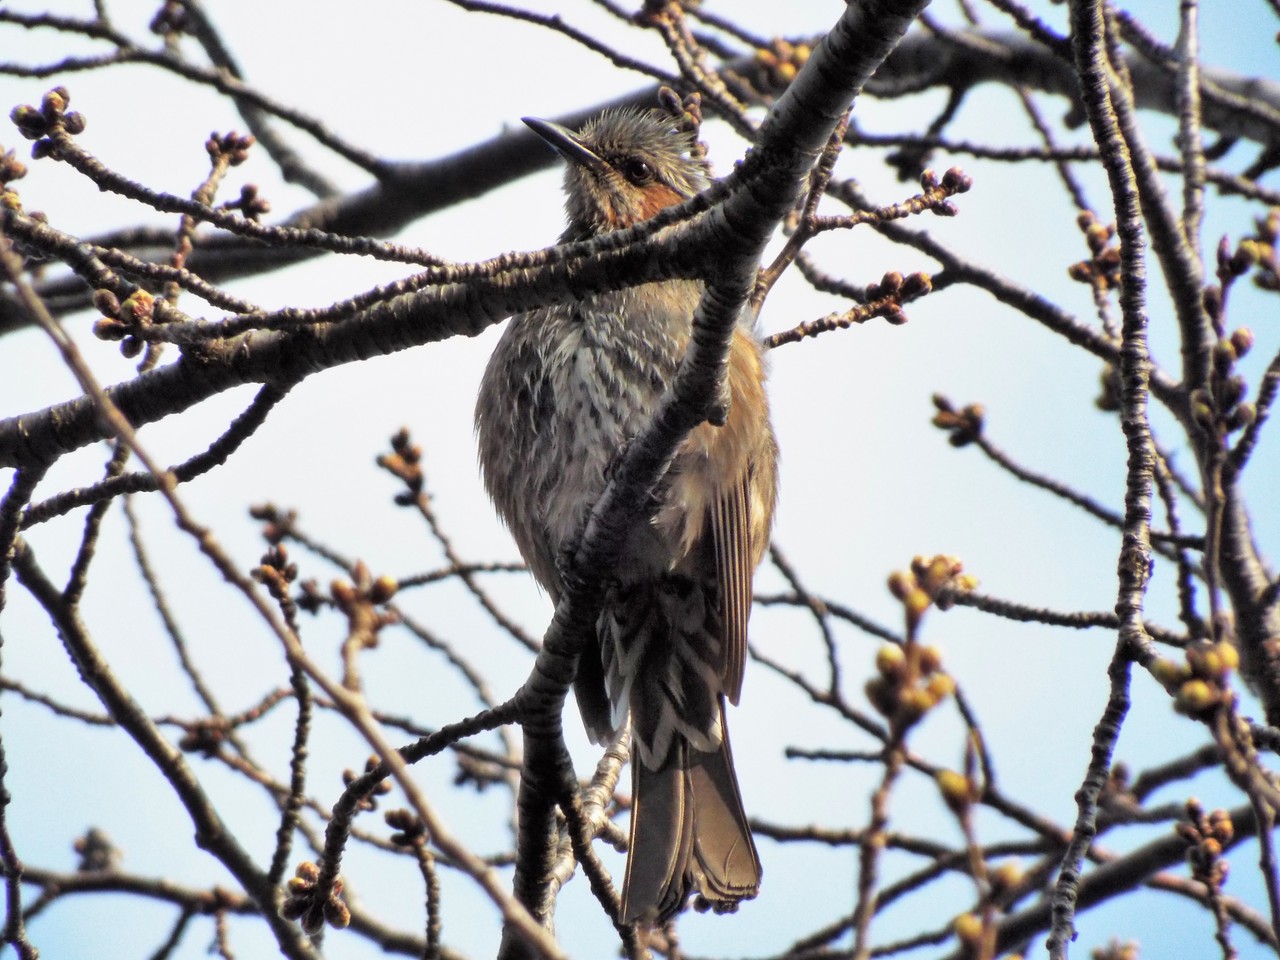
(567, 387)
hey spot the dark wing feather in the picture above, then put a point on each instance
(731, 531)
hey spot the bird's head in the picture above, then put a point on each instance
(624, 166)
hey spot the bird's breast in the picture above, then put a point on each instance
(567, 387)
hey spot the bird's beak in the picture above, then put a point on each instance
(566, 143)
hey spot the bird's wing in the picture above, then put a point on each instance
(731, 532)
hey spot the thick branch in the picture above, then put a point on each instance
(1234, 105)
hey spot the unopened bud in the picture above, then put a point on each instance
(106, 302)
(955, 788)
(968, 928)
(1196, 696)
(1242, 341)
(890, 284)
(901, 584)
(1245, 256)
(383, 589)
(1097, 236)
(891, 661)
(956, 180)
(940, 686)
(1168, 672)
(917, 284)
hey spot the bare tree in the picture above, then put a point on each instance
(889, 828)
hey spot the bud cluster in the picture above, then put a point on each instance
(11, 168)
(964, 426)
(304, 903)
(977, 931)
(276, 572)
(410, 830)
(123, 321)
(1199, 683)
(279, 523)
(1259, 253)
(370, 800)
(405, 462)
(927, 584)
(1207, 835)
(687, 112)
(358, 601)
(1110, 389)
(909, 682)
(233, 148)
(205, 736)
(48, 123)
(782, 60)
(366, 588)
(1219, 407)
(96, 852)
(937, 190)
(250, 202)
(1102, 270)
(887, 297)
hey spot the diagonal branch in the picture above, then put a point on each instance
(1098, 89)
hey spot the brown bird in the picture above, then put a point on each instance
(567, 387)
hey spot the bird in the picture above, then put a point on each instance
(566, 389)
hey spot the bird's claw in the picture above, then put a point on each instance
(718, 415)
(566, 564)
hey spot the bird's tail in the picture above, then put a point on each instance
(688, 829)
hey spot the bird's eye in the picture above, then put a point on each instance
(638, 171)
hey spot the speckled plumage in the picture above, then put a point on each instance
(566, 388)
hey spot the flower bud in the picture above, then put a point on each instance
(891, 661)
(1196, 696)
(968, 928)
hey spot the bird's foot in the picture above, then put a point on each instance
(718, 413)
